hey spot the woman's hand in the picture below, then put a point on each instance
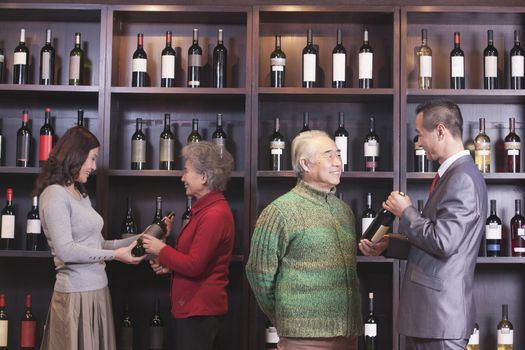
(152, 245)
(124, 254)
(158, 268)
(373, 249)
(169, 225)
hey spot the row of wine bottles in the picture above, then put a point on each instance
(28, 326)
(504, 329)
(491, 76)
(21, 62)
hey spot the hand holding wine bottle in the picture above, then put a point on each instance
(158, 268)
(124, 254)
(152, 239)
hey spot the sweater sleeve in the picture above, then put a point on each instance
(119, 243)
(269, 242)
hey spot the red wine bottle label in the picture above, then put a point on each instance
(28, 334)
(342, 143)
(126, 338)
(309, 69)
(271, 335)
(3, 332)
(365, 222)
(277, 64)
(140, 65)
(517, 68)
(20, 58)
(513, 148)
(372, 148)
(491, 66)
(195, 60)
(366, 60)
(168, 67)
(370, 329)
(493, 231)
(46, 143)
(8, 226)
(457, 67)
(277, 147)
(33, 226)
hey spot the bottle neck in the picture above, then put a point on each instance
(195, 125)
(365, 37)
(517, 206)
(372, 125)
(505, 312)
(168, 39)
(140, 41)
(457, 41)
(48, 37)
(277, 42)
(369, 201)
(339, 37)
(490, 38)
(276, 128)
(77, 40)
(219, 37)
(167, 123)
(309, 37)
(493, 207)
(195, 36)
(512, 125)
(482, 125)
(139, 124)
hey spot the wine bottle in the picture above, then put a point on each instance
(366, 63)
(139, 72)
(473, 342)
(420, 206)
(380, 225)
(138, 147)
(47, 62)
(493, 231)
(512, 149)
(306, 122)
(28, 327)
(33, 227)
(129, 226)
(156, 229)
(517, 74)
(156, 329)
(371, 326)
(271, 337)
(371, 148)
(167, 59)
(277, 64)
(341, 140)
(505, 330)
(424, 53)
(219, 136)
(220, 62)
(126, 330)
(482, 152)
(420, 157)
(47, 135)
(4, 325)
(2, 65)
(7, 232)
(167, 146)
(194, 136)
(517, 227)
(80, 117)
(339, 63)
(76, 63)
(157, 218)
(277, 146)
(23, 142)
(457, 64)
(21, 61)
(195, 62)
(490, 65)
(186, 216)
(310, 62)
(368, 214)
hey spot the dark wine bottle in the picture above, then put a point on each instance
(517, 227)
(277, 146)
(47, 135)
(517, 74)
(28, 327)
(505, 330)
(310, 62)
(47, 62)
(2, 69)
(23, 142)
(7, 232)
(371, 148)
(156, 329)
(4, 325)
(512, 149)
(277, 64)
(371, 326)
(380, 225)
(138, 147)
(457, 64)
(194, 136)
(186, 216)
(493, 231)
(219, 136)
(156, 229)
(420, 206)
(220, 62)
(167, 146)
(339, 62)
(33, 228)
(341, 140)
(368, 214)
(195, 62)
(21, 61)
(139, 72)
(271, 337)
(80, 117)
(76, 63)
(126, 330)
(157, 218)
(420, 157)
(306, 122)
(167, 59)
(129, 226)
(490, 65)
(366, 63)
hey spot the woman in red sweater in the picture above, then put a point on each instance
(199, 262)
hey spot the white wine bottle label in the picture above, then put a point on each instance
(512, 145)
(277, 147)
(474, 338)
(420, 152)
(517, 68)
(167, 150)
(34, 226)
(3, 332)
(339, 67)
(74, 67)
(8, 226)
(493, 231)
(20, 58)
(46, 63)
(342, 144)
(138, 151)
(425, 64)
(195, 60)
(271, 335)
(370, 330)
(168, 67)
(457, 67)
(491, 67)
(2, 58)
(309, 72)
(513, 152)
(277, 64)
(482, 152)
(366, 60)
(519, 250)
(140, 65)
(521, 231)
(365, 222)
(372, 149)
(505, 336)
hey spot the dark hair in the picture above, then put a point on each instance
(66, 159)
(442, 111)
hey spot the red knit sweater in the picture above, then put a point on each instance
(200, 262)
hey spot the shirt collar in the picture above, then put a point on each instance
(450, 160)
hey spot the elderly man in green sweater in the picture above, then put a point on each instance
(302, 264)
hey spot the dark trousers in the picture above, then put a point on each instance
(199, 333)
(435, 344)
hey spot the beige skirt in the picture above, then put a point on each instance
(80, 321)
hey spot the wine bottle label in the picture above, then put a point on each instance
(278, 64)
(420, 152)
(277, 147)
(493, 231)
(140, 65)
(74, 67)
(8, 226)
(195, 60)
(167, 150)
(28, 334)
(22, 148)
(126, 338)
(46, 66)
(491, 66)
(156, 338)
(342, 144)
(20, 58)
(365, 222)
(168, 67)
(513, 146)
(2, 58)
(309, 69)
(372, 148)
(370, 330)
(127, 235)
(474, 338)
(138, 151)
(4, 329)
(381, 231)
(46, 143)
(517, 66)
(33, 226)
(505, 336)
(457, 67)
(519, 250)
(366, 60)
(521, 231)
(271, 335)
(482, 152)
(425, 64)
(339, 67)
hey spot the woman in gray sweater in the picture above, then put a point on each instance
(80, 315)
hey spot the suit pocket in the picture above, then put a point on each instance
(426, 281)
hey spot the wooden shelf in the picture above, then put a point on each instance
(325, 94)
(118, 90)
(468, 95)
(156, 173)
(347, 174)
(19, 170)
(500, 260)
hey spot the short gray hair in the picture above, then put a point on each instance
(206, 159)
(303, 148)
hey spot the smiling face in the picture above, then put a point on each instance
(194, 182)
(324, 170)
(89, 166)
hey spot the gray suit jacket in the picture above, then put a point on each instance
(437, 292)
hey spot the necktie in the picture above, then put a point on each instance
(434, 183)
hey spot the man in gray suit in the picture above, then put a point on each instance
(437, 308)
